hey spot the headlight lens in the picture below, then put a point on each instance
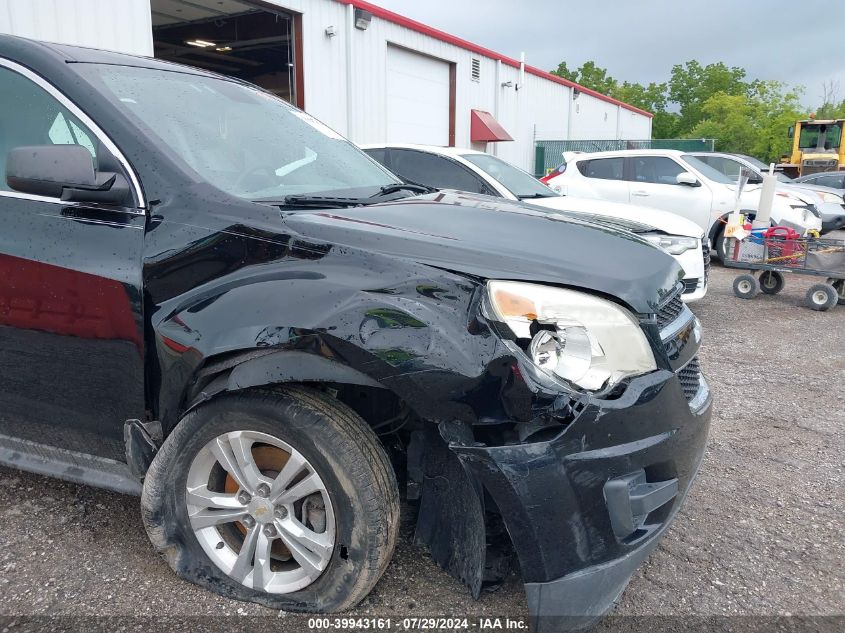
(585, 340)
(826, 196)
(672, 244)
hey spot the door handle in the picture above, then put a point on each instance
(642, 194)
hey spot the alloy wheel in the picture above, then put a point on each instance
(260, 511)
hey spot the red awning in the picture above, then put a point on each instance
(484, 128)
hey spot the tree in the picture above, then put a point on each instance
(589, 75)
(653, 99)
(776, 109)
(727, 119)
(714, 101)
(832, 107)
(754, 123)
(692, 84)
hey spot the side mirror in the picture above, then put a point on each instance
(63, 171)
(686, 178)
(791, 131)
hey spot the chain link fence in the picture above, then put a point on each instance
(548, 154)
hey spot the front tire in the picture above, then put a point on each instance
(719, 246)
(284, 498)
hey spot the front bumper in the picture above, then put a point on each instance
(832, 222)
(696, 263)
(579, 507)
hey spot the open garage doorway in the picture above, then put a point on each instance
(243, 39)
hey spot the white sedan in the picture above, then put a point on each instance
(479, 172)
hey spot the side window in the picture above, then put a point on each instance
(31, 116)
(435, 171)
(728, 167)
(603, 168)
(831, 180)
(377, 154)
(655, 169)
(710, 160)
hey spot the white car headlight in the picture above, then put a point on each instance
(826, 196)
(585, 340)
(672, 244)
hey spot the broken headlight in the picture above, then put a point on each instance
(585, 340)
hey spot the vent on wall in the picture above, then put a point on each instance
(476, 69)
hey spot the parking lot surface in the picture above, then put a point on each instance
(762, 532)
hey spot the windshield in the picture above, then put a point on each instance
(821, 137)
(763, 168)
(518, 182)
(240, 139)
(706, 170)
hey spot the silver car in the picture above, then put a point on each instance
(827, 200)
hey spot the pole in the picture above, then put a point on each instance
(496, 100)
(767, 198)
(350, 29)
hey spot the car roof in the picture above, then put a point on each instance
(433, 149)
(741, 157)
(30, 52)
(629, 152)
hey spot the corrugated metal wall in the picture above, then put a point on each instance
(121, 25)
(350, 96)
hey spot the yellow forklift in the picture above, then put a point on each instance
(816, 147)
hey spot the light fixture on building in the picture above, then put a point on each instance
(330, 32)
(507, 84)
(363, 19)
(575, 93)
(199, 43)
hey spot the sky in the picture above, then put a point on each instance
(640, 40)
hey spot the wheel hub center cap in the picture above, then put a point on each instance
(261, 510)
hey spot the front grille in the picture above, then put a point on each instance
(690, 285)
(705, 248)
(817, 166)
(670, 311)
(690, 378)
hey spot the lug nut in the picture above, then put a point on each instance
(243, 497)
(281, 512)
(248, 521)
(263, 490)
(269, 530)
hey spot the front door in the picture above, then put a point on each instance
(653, 184)
(71, 328)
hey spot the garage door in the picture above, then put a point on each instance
(417, 98)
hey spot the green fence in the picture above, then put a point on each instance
(548, 154)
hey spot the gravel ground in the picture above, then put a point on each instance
(761, 533)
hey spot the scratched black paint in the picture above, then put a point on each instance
(391, 294)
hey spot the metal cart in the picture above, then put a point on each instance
(776, 254)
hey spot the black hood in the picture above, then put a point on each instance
(497, 239)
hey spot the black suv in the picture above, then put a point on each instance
(210, 299)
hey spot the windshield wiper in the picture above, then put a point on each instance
(535, 195)
(405, 186)
(338, 202)
(325, 202)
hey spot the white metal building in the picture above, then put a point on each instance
(371, 74)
